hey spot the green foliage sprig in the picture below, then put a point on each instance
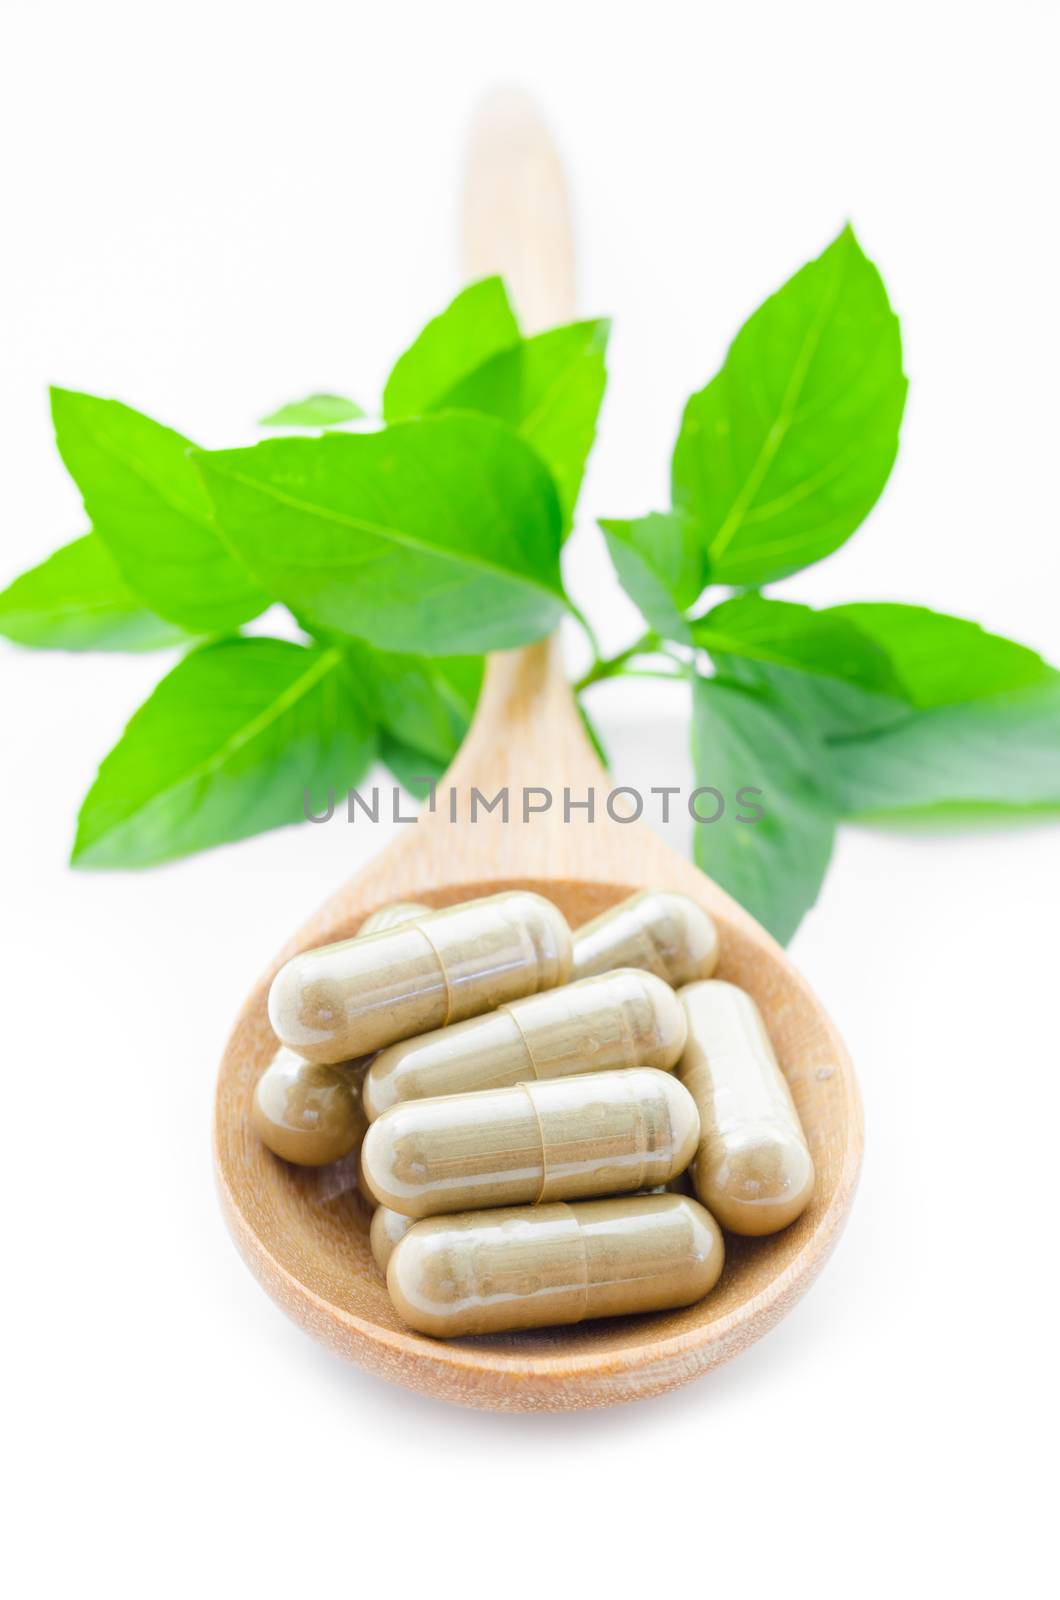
(406, 552)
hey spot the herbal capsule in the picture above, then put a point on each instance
(561, 1139)
(392, 916)
(362, 1183)
(620, 1019)
(303, 1111)
(309, 1113)
(667, 934)
(531, 1266)
(351, 998)
(387, 1230)
(752, 1169)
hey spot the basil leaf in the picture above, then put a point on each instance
(413, 769)
(315, 411)
(818, 662)
(773, 866)
(147, 503)
(992, 758)
(474, 327)
(438, 536)
(943, 660)
(549, 389)
(789, 635)
(78, 600)
(424, 701)
(787, 449)
(229, 744)
(858, 667)
(924, 718)
(660, 564)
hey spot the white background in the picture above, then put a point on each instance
(210, 209)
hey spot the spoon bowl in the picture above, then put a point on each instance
(304, 1232)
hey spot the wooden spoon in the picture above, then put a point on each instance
(304, 1233)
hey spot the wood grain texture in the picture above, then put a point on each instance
(516, 212)
(304, 1233)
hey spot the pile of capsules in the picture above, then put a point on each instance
(525, 1102)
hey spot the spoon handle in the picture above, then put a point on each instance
(516, 210)
(517, 222)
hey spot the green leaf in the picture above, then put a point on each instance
(818, 662)
(477, 324)
(773, 866)
(855, 668)
(414, 770)
(315, 411)
(77, 600)
(995, 758)
(923, 718)
(660, 564)
(426, 702)
(439, 536)
(788, 635)
(943, 660)
(146, 502)
(229, 744)
(787, 449)
(549, 389)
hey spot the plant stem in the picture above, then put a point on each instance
(586, 626)
(607, 667)
(653, 672)
(670, 653)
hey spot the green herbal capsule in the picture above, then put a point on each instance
(753, 1169)
(561, 1139)
(313, 1114)
(387, 1230)
(307, 1112)
(533, 1266)
(392, 916)
(362, 1186)
(354, 997)
(667, 934)
(619, 1019)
